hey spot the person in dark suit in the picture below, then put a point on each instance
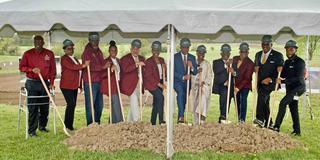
(267, 62)
(114, 69)
(70, 81)
(182, 60)
(245, 66)
(293, 76)
(129, 85)
(153, 81)
(221, 70)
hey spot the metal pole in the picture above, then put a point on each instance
(308, 65)
(49, 40)
(308, 94)
(170, 93)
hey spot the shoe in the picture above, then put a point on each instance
(276, 129)
(296, 133)
(162, 123)
(181, 120)
(33, 134)
(225, 122)
(258, 123)
(221, 118)
(43, 130)
(70, 128)
(271, 127)
(242, 122)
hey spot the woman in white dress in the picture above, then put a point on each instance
(202, 85)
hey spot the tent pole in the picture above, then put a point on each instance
(49, 40)
(308, 63)
(170, 93)
(307, 94)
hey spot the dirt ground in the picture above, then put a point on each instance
(10, 87)
(217, 137)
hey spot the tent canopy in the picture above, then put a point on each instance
(188, 17)
(244, 17)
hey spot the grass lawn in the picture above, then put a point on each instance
(4, 58)
(50, 146)
(9, 69)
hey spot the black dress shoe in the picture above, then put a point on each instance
(276, 129)
(162, 123)
(258, 123)
(33, 134)
(43, 130)
(70, 128)
(296, 133)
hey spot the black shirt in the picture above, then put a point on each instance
(293, 72)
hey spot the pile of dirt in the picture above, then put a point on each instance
(217, 137)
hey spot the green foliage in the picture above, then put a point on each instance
(145, 49)
(78, 48)
(57, 49)
(8, 46)
(314, 45)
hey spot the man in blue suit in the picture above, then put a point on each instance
(182, 60)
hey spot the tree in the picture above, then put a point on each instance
(8, 46)
(313, 45)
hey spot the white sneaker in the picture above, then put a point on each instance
(225, 122)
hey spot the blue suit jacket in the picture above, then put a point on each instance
(179, 70)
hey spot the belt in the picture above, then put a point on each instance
(36, 80)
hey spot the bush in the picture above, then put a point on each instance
(78, 48)
(145, 49)
(8, 46)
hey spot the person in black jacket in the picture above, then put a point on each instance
(293, 76)
(221, 70)
(267, 62)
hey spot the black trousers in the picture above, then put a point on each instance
(38, 114)
(263, 105)
(70, 95)
(223, 95)
(293, 105)
(157, 105)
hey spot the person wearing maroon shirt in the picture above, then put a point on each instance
(245, 67)
(153, 81)
(93, 54)
(130, 77)
(115, 69)
(34, 61)
(70, 81)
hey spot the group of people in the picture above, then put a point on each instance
(131, 75)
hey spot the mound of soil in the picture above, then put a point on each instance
(243, 138)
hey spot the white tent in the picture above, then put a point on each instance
(187, 16)
(190, 18)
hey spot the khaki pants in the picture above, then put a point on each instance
(134, 111)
